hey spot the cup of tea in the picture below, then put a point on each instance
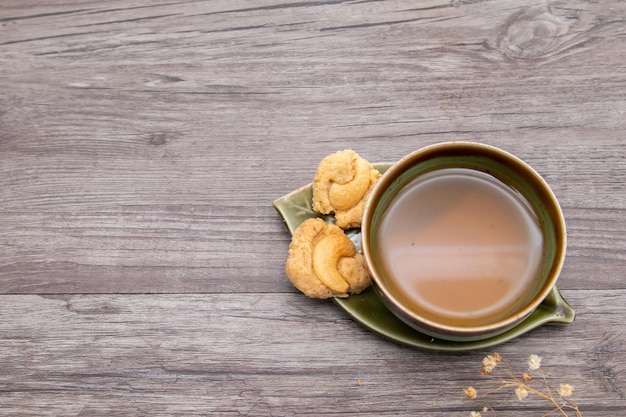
(463, 240)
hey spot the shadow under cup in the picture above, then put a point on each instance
(507, 172)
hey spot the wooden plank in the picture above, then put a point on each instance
(142, 145)
(273, 354)
(128, 234)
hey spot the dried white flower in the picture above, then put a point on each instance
(565, 390)
(470, 392)
(489, 364)
(534, 362)
(521, 393)
(522, 386)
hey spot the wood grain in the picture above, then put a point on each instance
(270, 355)
(143, 143)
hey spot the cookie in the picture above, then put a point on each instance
(323, 261)
(343, 181)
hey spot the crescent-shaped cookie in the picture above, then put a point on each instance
(323, 261)
(343, 181)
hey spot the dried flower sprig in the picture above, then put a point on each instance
(522, 385)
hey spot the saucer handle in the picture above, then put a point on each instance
(556, 309)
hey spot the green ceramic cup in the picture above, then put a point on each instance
(504, 168)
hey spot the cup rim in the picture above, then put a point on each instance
(441, 329)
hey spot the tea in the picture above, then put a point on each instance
(460, 247)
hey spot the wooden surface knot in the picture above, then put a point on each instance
(533, 32)
(160, 138)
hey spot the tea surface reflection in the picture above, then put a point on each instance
(461, 247)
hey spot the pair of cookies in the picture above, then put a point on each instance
(323, 262)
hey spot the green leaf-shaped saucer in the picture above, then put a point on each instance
(368, 310)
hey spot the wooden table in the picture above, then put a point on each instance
(142, 144)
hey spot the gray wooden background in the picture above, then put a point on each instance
(142, 144)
